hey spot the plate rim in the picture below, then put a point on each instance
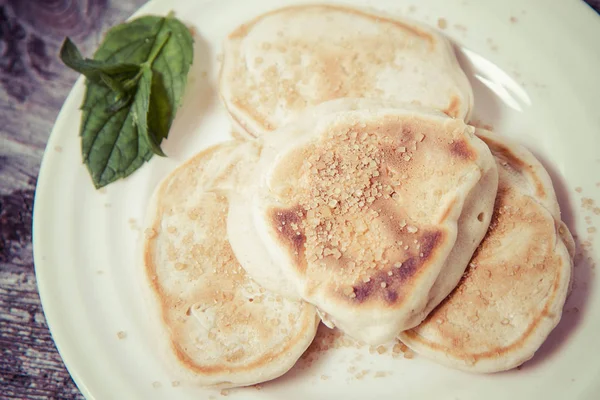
(56, 325)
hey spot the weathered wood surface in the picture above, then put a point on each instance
(33, 86)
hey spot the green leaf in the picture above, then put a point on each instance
(111, 145)
(107, 73)
(123, 126)
(135, 42)
(141, 107)
(160, 113)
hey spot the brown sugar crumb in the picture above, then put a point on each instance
(578, 189)
(180, 266)
(513, 20)
(224, 392)
(409, 354)
(150, 233)
(587, 203)
(381, 349)
(442, 23)
(58, 149)
(175, 383)
(325, 340)
(258, 386)
(362, 374)
(324, 377)
(591, 229)
(399, 348)
(121, 335)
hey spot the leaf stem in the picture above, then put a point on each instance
(113, 84)
(132, 83)
(156, 50)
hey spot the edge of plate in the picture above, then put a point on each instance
(57, 330)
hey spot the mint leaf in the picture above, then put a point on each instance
(141, 107)
(160, 113)
(126, 117)
(106, 73)
(143, 36)
(111, 146)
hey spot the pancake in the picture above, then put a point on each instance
(287, 60)
(371, 212)
(222, 328)
(512, 294)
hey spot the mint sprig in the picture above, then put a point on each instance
(134, 86)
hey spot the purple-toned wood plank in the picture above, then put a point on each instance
(33, 86)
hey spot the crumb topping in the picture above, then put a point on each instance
(352, 219)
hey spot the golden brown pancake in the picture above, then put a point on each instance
(512, 294)
(222, 328)
(371, 212)
(280, 63)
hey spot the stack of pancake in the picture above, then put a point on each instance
(361, 198)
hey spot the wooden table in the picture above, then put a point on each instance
(33, 86)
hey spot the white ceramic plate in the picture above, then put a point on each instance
(535, 68)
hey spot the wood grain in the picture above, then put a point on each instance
(33, 86)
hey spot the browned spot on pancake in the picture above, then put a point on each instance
(429, 242)
(516, 164)
(461, 149)
(392, 288)
(363, 291)
(453, 109)
(289, 225)
(391, 296)
(242, 30)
